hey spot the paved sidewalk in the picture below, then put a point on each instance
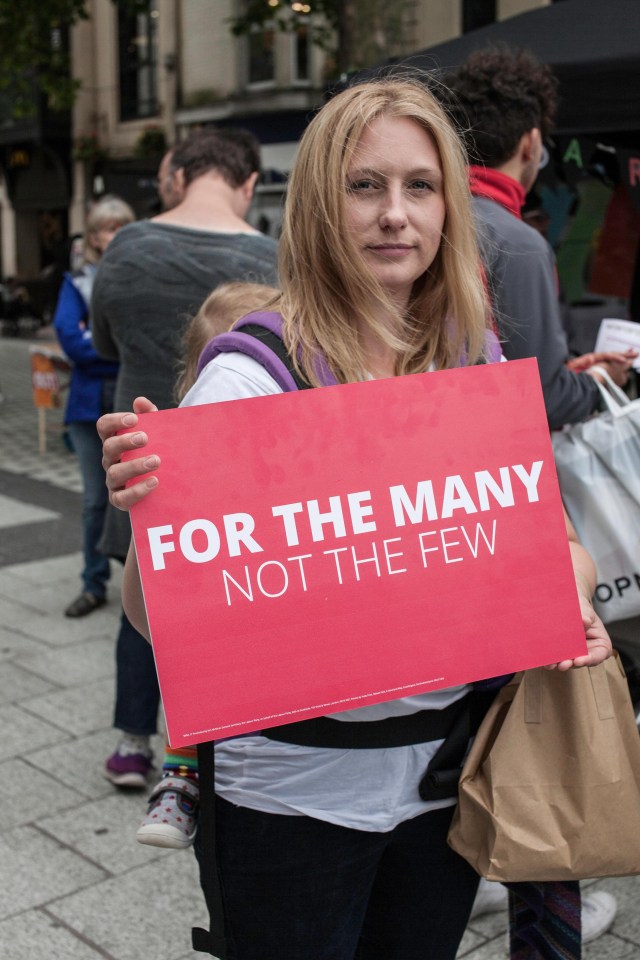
(76, 885)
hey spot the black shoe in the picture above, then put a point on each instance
(84, 604)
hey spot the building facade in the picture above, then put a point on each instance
(149, 78)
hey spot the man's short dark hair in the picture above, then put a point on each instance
(499, 94)
(233, 153)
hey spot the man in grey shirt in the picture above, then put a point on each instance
(149, 285)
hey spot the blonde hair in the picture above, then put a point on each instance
(107, 213)
(228, 303)
(324, 278)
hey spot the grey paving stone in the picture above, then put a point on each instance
(192, 955)
(148, 912)
(21, 731)
(104, 831)
(81, 762)
(495, 949)
(40, 870)
(13, 611)
(610, 947)
(18, 683)
(33, 934)
(41, 590)
(13, 513)
(73, 665)
(51, 598)
(86, 764)
(471, 941)
(78, 710)
(39, 794)
(627, 922)
(53, 628)
(14, 643)
(42, 538)
(60, 569)
(55, 569)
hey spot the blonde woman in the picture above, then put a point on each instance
(90, 392)
(329, 852)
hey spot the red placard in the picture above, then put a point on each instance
(309, 553)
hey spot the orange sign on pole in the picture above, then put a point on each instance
(44, 379)
(46, 367)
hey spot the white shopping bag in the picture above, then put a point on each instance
(598, 465)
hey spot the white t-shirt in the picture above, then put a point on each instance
(371, 789)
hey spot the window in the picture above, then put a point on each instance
(138, 57)
(477, 13)
(262, 63)
(301, 53)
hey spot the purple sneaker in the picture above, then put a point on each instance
(130, 765)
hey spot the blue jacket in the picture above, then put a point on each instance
(90, 375)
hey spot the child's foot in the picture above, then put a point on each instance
(172, 814)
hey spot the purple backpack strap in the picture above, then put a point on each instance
(492, 348)
(235, 341)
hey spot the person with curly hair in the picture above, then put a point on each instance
(504, 101)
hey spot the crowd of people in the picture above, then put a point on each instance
(403, 250)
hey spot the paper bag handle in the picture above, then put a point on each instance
(599, 684)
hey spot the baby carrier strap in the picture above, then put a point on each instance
(259, 336)
(492, 348)
(492, 352)
(212, 940)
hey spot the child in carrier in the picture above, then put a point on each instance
(172, 814)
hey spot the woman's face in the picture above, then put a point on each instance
(395, 206)
(102, 238)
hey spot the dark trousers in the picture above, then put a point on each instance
(88, 448)
(137, 691)
(296, 888)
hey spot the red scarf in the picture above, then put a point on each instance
(486, 182)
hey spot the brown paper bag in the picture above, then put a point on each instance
(550, 789)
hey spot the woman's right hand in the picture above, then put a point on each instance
(113, 446)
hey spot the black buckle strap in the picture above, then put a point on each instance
(419, 727)
(213, 940)
(440, 781)
(277, 346)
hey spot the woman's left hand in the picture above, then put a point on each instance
(598, 641)
(114, 443)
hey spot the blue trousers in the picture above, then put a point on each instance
(137, 690)
(88, 448)
(296, 888)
